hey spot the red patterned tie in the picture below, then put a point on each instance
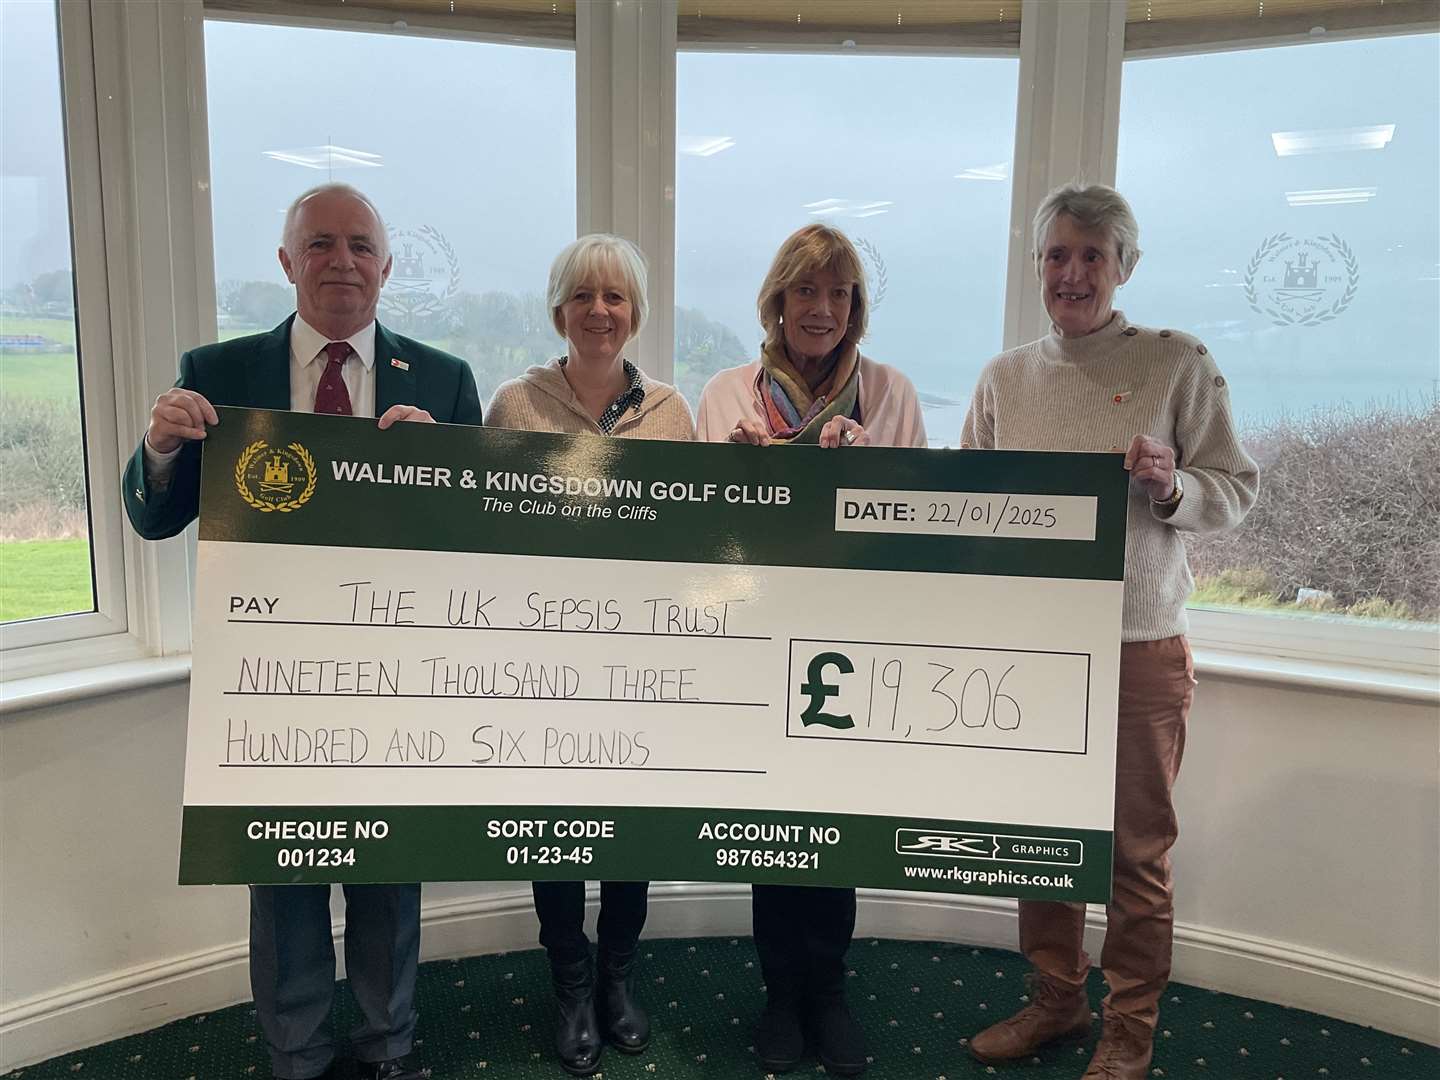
(331, 395)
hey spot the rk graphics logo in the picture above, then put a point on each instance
(1297, 282)
(939, 843)
(947, 845)
(267, 477)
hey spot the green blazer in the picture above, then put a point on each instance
(254, 372)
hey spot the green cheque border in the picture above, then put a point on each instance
(455, 843)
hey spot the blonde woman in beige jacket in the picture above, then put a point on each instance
(597, 302)
(597, 298)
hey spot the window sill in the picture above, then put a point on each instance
(1330, 676)
(19, 695)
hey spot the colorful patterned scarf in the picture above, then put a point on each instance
(794, 412)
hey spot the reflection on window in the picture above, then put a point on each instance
(467, 148)
(1289, 217)
(44, 529)
(910, 156)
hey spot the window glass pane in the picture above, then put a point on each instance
(910, 156)
(1288, 217)
(467, 148)
(44, 529)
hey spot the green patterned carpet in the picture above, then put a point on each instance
(489, 1017)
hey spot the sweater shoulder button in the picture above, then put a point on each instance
(1166, 333)
(1130, 331)
(1201, 349)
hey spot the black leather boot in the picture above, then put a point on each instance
(577, 1031)
(839, 1039)
(779, 1038)
(625, 1024)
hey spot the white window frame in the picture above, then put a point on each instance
(137, 149)
(93, 353)
(41, 644)
(140, 229)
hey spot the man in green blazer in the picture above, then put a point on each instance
(404, 380)
(330, 356)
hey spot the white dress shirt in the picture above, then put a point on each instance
(307, 364)
(308, 360)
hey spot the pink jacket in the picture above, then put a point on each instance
(889, 406)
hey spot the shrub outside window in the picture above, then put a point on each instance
(1290, 218)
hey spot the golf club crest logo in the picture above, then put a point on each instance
(1301, 282)
(425, 275)
(875, 272)
(271, 478)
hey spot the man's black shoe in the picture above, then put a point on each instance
(839, 1040)
(779, 1040)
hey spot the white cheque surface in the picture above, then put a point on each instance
(472, 679)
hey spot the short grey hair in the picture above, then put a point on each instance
(292, 213)
(589, 259)
(1092, 206)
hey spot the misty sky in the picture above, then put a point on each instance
(477, 141)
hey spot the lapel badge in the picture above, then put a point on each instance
(396, 362)
(1122, 397)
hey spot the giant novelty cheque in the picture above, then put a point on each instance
(454, 653)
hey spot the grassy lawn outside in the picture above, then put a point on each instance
(62, 330)
(44, 577)
(51, 376)
(54, 376)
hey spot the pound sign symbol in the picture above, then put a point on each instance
(818, 690)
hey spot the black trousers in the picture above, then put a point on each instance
(801, 934)
(561, 908)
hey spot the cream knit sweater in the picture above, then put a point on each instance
(1097, 392)
(541, 400)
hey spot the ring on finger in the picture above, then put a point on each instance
(849, 436)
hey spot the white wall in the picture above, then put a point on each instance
(1308, 870)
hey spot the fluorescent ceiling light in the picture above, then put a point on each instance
(1332, 140)
(848, 208)
(1331, 196)
(327, 157)
(704, 145)
(999, 171)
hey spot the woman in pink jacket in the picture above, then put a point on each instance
(810, 385)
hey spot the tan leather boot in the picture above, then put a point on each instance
(1124, 1052)
(1056, 1011)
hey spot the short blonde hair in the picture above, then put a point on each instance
(592, 258)
(1093, 206)
(806, 251)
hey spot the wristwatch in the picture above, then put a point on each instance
(1175, 496)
